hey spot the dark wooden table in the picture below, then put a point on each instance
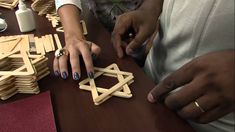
(74, 109)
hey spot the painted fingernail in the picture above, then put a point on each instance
(76, 76)
(91, 75)
(94, 56)
(150, 98)
(57, 73)
(64, 75)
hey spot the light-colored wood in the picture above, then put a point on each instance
(103, 90)
(116, 87)
(60, 29)
(57, 40)
(94, 91)
(84, 29)
(113, 71)
(125, 79)
(52, 42)
(126, 89)
(46, 43)
(37, 45)
(41, 46)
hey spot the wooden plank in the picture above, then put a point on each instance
(57, 40)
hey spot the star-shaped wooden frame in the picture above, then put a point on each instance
(23, 78)
(121, 89)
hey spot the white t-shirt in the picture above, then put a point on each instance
(190, 28)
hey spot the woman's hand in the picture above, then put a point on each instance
(75, 48)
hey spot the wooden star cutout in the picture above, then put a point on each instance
(121, 89)
(19, 73)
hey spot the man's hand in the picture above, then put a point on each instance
(143, 25)
(142, 20)
(208, 80)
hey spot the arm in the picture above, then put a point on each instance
(75, 42)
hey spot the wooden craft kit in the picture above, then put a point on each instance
(121, 89)
(23, 63)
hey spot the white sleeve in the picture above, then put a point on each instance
(60, 3)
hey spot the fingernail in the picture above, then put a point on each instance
(91, 75)
(150, 98)
(94, 56)
(64, 75)
(57, 73)
(76, 76)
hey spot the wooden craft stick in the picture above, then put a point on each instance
(12, 44)
(102, 90)
(41, 46)
(97, 74)
(84, 27)
(9, 95)
(113, 71)
(52, 42)
(126, 89)
(37, 45)
(93, 89)
(57, 40)
(46, 43)
(7, 40)
(113, 89)
(60, 29)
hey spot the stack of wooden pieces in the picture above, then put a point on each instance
(19, 73)
(9, 4)
(121, 89)
(38, 45)
(22, 63)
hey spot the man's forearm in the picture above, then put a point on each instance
(70, 18)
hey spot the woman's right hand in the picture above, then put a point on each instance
(75, 48)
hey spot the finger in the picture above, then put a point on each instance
(75, 64)
(177, 79)
(63, 60)
(117, 43)
(86, 55)
(206, 103)
(214, 114)
(96, 50)
(121, 26)
(137, 41)
(56, 67)
(186, 94)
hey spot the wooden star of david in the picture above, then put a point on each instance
(121, 89)
(19, 73)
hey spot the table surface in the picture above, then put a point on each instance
(74, 109)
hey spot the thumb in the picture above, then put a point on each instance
(137, 41)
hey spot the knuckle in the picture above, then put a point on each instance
(185, 113)
(172, 101)
(168, 83)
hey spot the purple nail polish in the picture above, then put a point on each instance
(57, 73)
(91, 75)
(76, 76)
(64, 75)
